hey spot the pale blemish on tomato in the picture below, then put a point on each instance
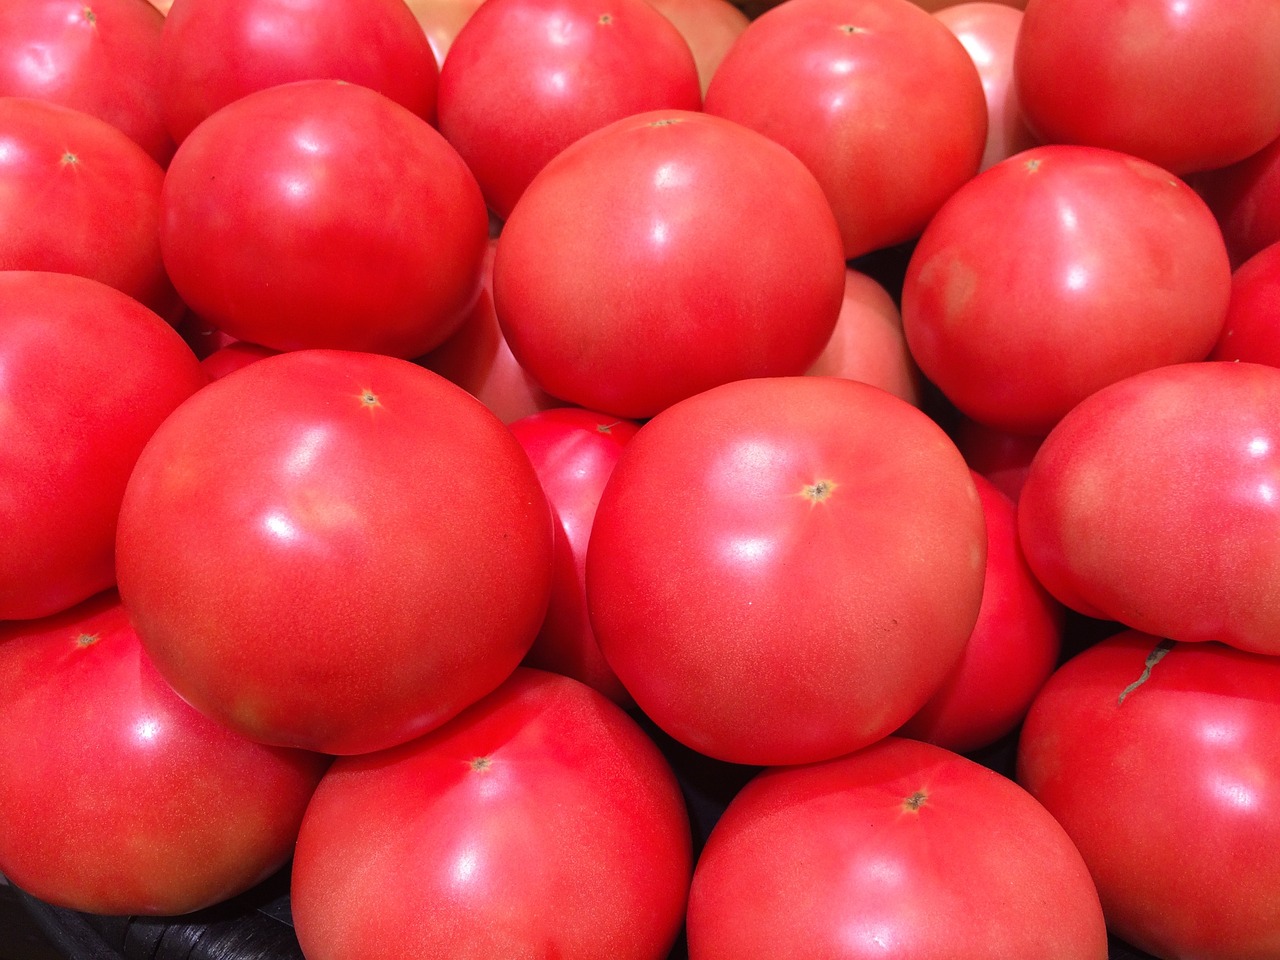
(481, 764)
(818, 491)
(87, 639)
(69, 159)
(848, 29)
(90, 17)
(915, 801)
(369, 399)
(1032, 165)
(605, 19)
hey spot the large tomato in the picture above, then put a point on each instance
(117, 796)
(1162, 761)
(334, 551)
(322, 214)
(86, 376)
(1252, 328)
(784, 570)
(540, 823)
(642, 267)
(901, 850)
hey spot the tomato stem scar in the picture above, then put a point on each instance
(916, 800)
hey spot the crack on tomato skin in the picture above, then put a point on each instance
(607, 427)
(1155, 656)
(915, 801)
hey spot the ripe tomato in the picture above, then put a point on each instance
(541, 822)
(1252, 328)
(1162, 761)
(784, 570)
(1245, 197)
(322, 214)
(119, 798)
(641, 266)
(902, 849)
(86, 376)
(334, 551)
(1154, 503)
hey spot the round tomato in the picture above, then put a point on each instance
(1245, 197)
(781, 571)
(334, 551)
(1252, 328)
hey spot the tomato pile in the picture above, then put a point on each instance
(413, 413)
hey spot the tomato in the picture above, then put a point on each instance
(232, 357)
(1012, 651)
(626, 300)
(1187, 84)
(1245, 197)
(526, 78)
(1252, 328)
(876, 80)
(322, 214)
(86, 376)
(1162, 761)
(78, 196)
(903, 849)
(784, 570)
(214, 52)
(1003, 458)
(710, 27)
(1154, 503)
(103, 60)
(118, 797)
(573, 452)
(1056, 272)
(989, 31)
(540, 822)
(334, 551)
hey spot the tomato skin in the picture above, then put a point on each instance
(1153, 504)
(1171, 794)
(119, 798)
(1075, 265)
(321, 214)
(784, 570)
(102, 60)
(626, 301)
(902, 849)
(1252, 329)
(541, 822)
(213, 52)
(91, 374)
(1186, 84)
(877, 79)
(526, 78)
(1245, 197)
(402, 511)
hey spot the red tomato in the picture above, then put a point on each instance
(103, 60)
(1057, 272)
(232, 357)
(1154, 503)
(1245, 197)
(1187, 84)
(868, 344)
(541, 822)
(710, 27)
(1162, 761)
(628, 301)
(1012, 651)
(334, 551)
(526, 78)
(1252, 328)
(322, 214)
(784, 570)
(86, 376)
(118, 798)
(902, 850)
(216, 51)
(876, 80)
(1003, 458)
(989, 31)
(78, 196)
(573, 452)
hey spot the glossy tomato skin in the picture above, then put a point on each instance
(214, 52)
(1012, 651)
(574, 452)
(1160, 761)
(89, 374)
(781, 571)
(902, 849)
(876, 97)
(1187, 84)
(334, 551)
(119, 798)
(1153, 503)
(526, 78)
(541, 822)
(1057, 272)
(1252, 329)
(322, 214)
(78, 196)
(641, 267)
(103, 60)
